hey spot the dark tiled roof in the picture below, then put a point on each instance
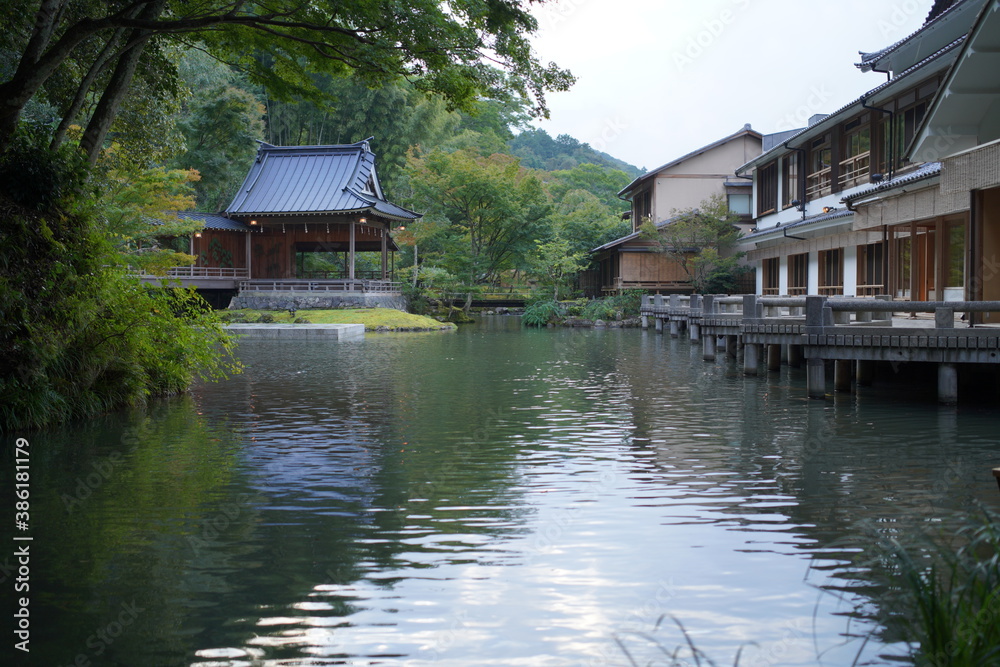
(869, 61)
(213, 221)
(822, 217)
(635, 235)
(298, 180)
(927, 170)
(833, 118)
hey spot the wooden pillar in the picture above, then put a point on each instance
(940, 258)
(866, 372)
(947, 384)
(708, 348)
(816, 377)
(385, 252)
(914, 263)
(842, 375)
(350, 254)
(249, 271)
(774, 358)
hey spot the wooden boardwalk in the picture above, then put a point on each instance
(852, 333)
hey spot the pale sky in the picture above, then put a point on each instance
(659, 78)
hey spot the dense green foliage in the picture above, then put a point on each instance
(623, 305)
(69, 56)
(538, 150)
(701, 242)
(77, 336)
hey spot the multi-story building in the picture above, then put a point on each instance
(859, 202)
(661, 194)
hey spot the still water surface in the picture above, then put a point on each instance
(488, 497)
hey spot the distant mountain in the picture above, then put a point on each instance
(538, 150)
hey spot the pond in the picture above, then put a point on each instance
(493, 496)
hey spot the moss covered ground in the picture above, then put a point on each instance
(374, 319)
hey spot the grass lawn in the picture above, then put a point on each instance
(372, 318)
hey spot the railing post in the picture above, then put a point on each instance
(749, 306)
(944, 317)
(817, 312)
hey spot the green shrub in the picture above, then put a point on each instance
(626, 303)
(542, 313)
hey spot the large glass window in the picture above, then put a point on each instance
(856, 165)
(798, 274)
(739, 204)
(871, 269)
(789, 180)
(818, 168)
(770, 271)
(831, 271)
(643, 205)
(767, 189)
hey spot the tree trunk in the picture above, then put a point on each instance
(81, 92)
(118, 86)
(35, 67)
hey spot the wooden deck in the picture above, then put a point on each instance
(854, 333)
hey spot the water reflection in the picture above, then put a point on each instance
(491, 497)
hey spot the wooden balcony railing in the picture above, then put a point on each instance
(854, 170)
(818, 183)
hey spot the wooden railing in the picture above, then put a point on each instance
(196, 272)
(854, 169)
(319, 286)
(818, 183)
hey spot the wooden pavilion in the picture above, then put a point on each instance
(298, 200)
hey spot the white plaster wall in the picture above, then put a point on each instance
(783, 275)
(813, 273)
(851, 270)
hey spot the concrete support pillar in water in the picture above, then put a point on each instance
(673, 329)
(816, 378)
(842, 375)
(751, 358)
(708, 348)
(694, 332)
(774, 358)
(658, 323)
(865, 372)
(645, 321)
(947, 384)
(731, 347)
(795, 356)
